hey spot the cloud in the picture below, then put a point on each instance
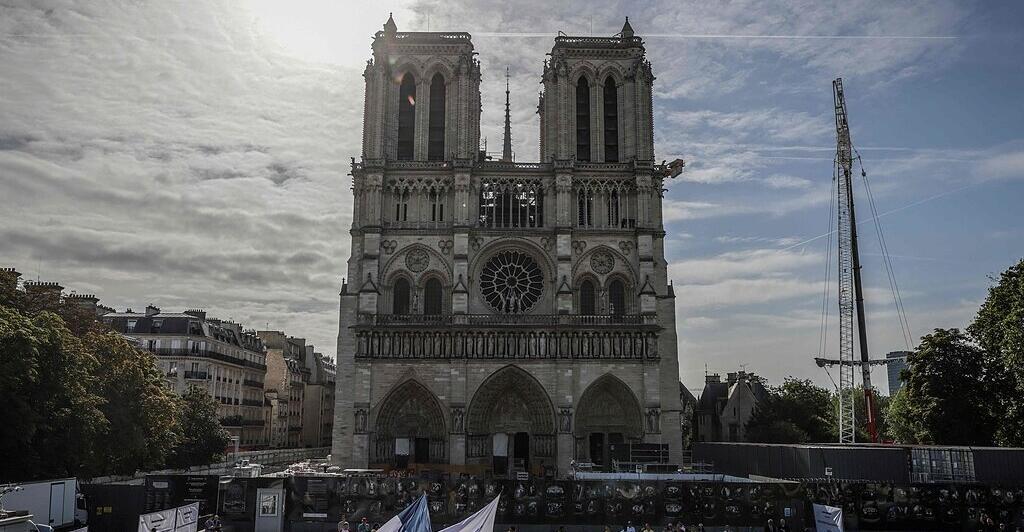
(1002, 166)
(736, 264)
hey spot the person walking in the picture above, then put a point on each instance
(364, 525)
(770, 527)
(343, 526)
(630, 527)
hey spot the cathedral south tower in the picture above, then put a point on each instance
(504, 316)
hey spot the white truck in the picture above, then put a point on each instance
(56, 503)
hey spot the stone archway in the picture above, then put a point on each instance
(608, 414)
(411, 413)
(511, 409)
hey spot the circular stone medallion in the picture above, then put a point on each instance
(602, 262)
(417, 260)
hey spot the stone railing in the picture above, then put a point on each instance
(507, 320)
(532, 343)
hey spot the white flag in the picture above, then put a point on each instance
(828, 518)
(482, 521)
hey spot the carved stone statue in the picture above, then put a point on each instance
(458, 416)
(565, 420)
(361, 420)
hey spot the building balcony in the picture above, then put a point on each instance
(252, 402)
(197, 375)
(253, 423)
(231, 421)
(207, 354)
(508, 320)
(252, 384)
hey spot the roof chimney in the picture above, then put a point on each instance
(152, 310)
(198, 313)
(713, 378)
(731, 378)
(84, 301)
(44, 294)
(9, 279)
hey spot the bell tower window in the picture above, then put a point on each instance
(407, 118)
(435, 139)
(611, 122)
(582, 120)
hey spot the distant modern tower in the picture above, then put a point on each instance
(898, 364)
(504, 316)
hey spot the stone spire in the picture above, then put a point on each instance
(390, 27)
(627, 30)
(506, 147)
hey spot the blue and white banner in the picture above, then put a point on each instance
(415, 518)
(828, 518)
(482, 521)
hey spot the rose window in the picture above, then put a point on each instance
(511, 282)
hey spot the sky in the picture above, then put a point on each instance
(194, 153)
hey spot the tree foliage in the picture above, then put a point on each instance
(203, 438)
(998, 328)
(141, 411)
(795, 412)
(52, 421)
(82, 401)
(944, 399)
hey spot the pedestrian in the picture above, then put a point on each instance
(783, 527)
(213, 523)
(770, 527)
(364, 525)
(343, 526)
(647, 528)
(630, 527)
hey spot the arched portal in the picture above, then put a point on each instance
(608, 414)
(511, 422)
(410, 427)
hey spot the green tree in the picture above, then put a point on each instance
(860, 415)
(52, 419)
(142, 412)
(795, 412)
(999, 330)
(944, 399)
(203, 438)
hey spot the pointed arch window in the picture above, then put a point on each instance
(582, 119)
(401, 295)
(617, 298)
(433, 298)
(435, 136)
(407, 117)
(611, 121)
(587, 298)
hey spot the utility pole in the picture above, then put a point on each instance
(851, 292)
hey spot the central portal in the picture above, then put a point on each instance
(510, 423)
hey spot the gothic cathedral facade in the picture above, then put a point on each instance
(503, 316)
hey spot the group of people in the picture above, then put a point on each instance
(363, 526)
(770, 526)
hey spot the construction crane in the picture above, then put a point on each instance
(851, 293)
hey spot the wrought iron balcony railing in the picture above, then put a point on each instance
(206, 353)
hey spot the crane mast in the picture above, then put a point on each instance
(851, 294)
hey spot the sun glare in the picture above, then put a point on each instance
(324, 31)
